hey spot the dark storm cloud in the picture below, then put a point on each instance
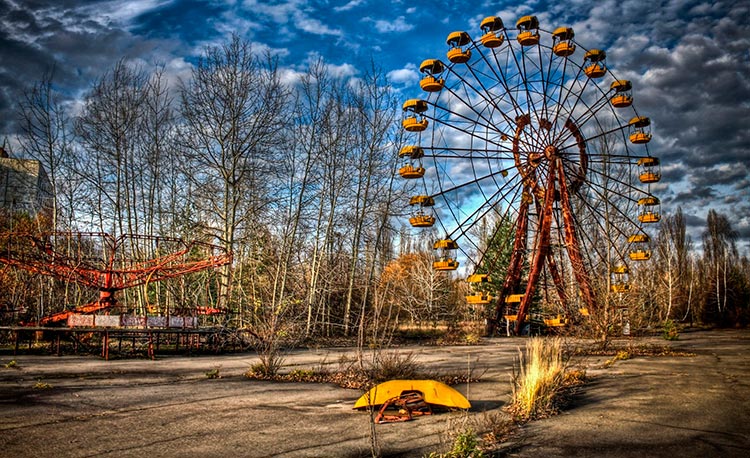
(690, 66)
(190, 21)
(720, 176)
(77, 41)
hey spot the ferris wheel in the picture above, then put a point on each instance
(528, 126)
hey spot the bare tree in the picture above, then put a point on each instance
(232, 109)
(673, 255)
(108, 130)
(46, 138)
(720, 255)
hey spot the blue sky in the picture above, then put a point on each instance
(689, 61)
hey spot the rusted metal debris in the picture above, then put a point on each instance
(403, 408)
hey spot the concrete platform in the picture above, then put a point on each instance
(647, 406)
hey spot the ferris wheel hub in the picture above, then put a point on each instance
(552, 152)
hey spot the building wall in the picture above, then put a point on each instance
(24, 186)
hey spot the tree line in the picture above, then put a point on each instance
(297, 177)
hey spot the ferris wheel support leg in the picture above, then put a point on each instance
(557, 279)
(541, 249)
(574, 248)
(513, 274)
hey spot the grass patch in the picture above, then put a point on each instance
(621, 355)
(214, 373)
(647, 349)
(363, 374)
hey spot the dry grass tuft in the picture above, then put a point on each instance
(542, 380)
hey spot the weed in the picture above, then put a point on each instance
(394, 365)
(40, 385)
(259, 371)
(621, 355)
(495, 427)
(12, 364)
(214, 373)
(472, 339)
(465, 445)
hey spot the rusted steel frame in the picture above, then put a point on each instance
(107, 280)
(580, 176)
(513, 274)
(86, 308)
(557, 279)
(574, 248)
(541, 249)
(552, 266)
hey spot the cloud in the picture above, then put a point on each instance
(349, 6)
(406, 75)
(297, 14)
(399, 25)
(688, 61)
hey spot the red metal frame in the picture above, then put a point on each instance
(556, 187)
(114, 270)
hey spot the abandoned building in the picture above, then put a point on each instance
(24, 185)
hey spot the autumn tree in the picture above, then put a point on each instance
(421, 294)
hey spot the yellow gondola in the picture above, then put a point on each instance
(422, 220)
(639, 238)
(528, 31)
(649, 217)
(555, 322)
(431, 82)
(423, 201)
(623, 97)
(562, 38)
(478, 278)
(413, 122)
(458, 52)
(411, 172)
(640, 133)
(619, 287)
(514, 298)
(593, 63)
(649, 170)
(490, 27)
(640, 255)
(446, 255)
(478, 298)
(619, 278)
(649, 214)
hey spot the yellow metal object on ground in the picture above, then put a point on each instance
(434, 392)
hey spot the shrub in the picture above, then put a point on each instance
(465, 445)
(670, 330)
(394, 365)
